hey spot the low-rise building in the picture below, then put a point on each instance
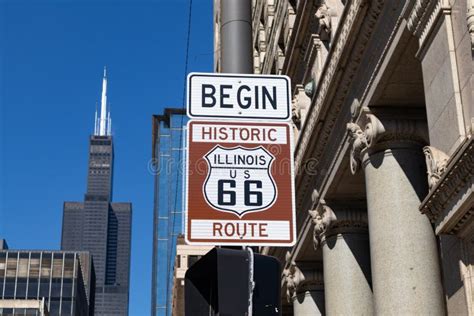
(65, 280)
(24, 307)
(186, 256)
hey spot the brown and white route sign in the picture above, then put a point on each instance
(239, 184)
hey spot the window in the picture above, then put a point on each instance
(33, 288)
(66, 307)
(21, 287)
(2, 264)
(9, 288)
(11, 264)
(44, 287)
(46, 265)
(57, 266)
(23, 267)
(67, 287)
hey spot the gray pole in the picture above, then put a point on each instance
(237, 57)
(236, 36)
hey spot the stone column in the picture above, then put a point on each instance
(404, 257)
(305, 290)
(342, 233)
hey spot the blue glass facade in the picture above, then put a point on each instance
(168, 170)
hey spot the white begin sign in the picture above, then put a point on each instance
(233, 96)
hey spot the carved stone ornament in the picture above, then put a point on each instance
(470, 20)
(467, 277)
(355, 108)
(358, 143)
(293, 278)
(436, 162)
(328, 222)
(323, 217)
(323, 16)
(300, 106)
(295, 112)
(299, 279)
(315, 197)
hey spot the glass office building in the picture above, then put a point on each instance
(167, 165)
(64, 280)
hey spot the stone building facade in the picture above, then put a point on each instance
(383, 114)
(186, 256)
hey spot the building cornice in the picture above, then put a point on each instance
(343, 60)
(450, 202)
(423, 16)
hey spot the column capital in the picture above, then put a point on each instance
(343, 219)
(382, 131)
(300, 279)
(323, 218)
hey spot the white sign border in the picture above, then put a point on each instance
(242, 243)
(236, 118)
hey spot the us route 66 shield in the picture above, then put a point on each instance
(239, 179)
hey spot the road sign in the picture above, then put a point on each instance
(235, 96)
(240, 184)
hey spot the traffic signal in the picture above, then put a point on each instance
(219, 284)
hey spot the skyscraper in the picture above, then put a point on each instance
(168, 162)
(100, 226)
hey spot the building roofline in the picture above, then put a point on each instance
(156, 119)
(3, 244)
(46, 250)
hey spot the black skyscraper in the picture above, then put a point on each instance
(99, 226)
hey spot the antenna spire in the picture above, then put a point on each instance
(103, 122)
(103, 129)
(96, 122)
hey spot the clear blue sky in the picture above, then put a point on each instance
(52, 54)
